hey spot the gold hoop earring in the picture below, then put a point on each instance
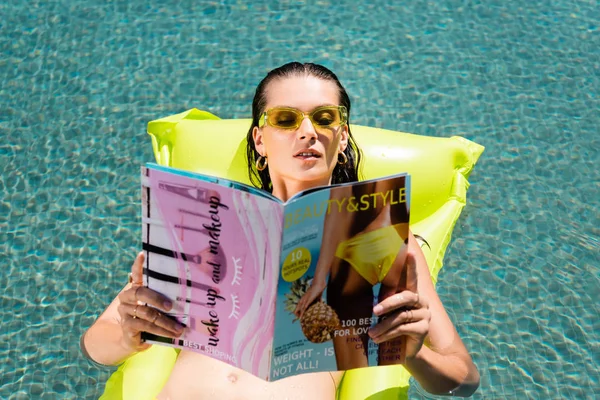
(344, 158)
(260, 165)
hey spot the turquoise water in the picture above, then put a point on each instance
(79, 80)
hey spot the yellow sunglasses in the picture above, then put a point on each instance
(287, 118)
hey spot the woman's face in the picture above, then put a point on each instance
(301, 158)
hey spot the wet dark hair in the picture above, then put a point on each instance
(342, 173)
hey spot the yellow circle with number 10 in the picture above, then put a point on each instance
(295, 264)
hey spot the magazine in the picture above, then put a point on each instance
(276, 288)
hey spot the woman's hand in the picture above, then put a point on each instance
(315, 291)
(403, 314)
(137, 312)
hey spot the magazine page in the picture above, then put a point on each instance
(214, 251)
(214, 179)
(343, 250)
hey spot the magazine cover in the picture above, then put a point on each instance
(275, 288)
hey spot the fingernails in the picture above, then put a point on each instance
(167, 305)
(378, 309)
(374, 338)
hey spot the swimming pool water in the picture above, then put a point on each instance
(79, 80)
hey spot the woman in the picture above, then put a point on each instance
(299, 133)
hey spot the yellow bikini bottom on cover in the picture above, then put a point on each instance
(371, 253)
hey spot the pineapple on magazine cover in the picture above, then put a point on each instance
(319, 321)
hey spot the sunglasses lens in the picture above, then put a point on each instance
(284, 119)
(326, 117)
(289, 118)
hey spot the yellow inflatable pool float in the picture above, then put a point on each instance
(199, 141)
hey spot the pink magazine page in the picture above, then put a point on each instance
(214, 251)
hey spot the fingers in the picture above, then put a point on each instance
(411, 271)
(302, 304)
(418, 330)
(142, 318)
(406, 299)
(307, 299)
(133, 326)
(403, 322)
(140, 310)
(142, 294)
(404, 313)
(300, 307)
(137, 269)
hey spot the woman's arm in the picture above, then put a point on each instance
(336, 228)
(103, 341)
(443, 365)
(116, 334)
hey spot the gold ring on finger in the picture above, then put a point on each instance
(155, 317)
(135, 311)
(130, 280)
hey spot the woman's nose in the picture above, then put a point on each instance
(307, 129)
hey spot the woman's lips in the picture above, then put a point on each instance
(307, 155)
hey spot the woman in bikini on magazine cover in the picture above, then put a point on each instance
(362, 246)
(300, 138)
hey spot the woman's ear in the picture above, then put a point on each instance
(344, 138)
(259, 145)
